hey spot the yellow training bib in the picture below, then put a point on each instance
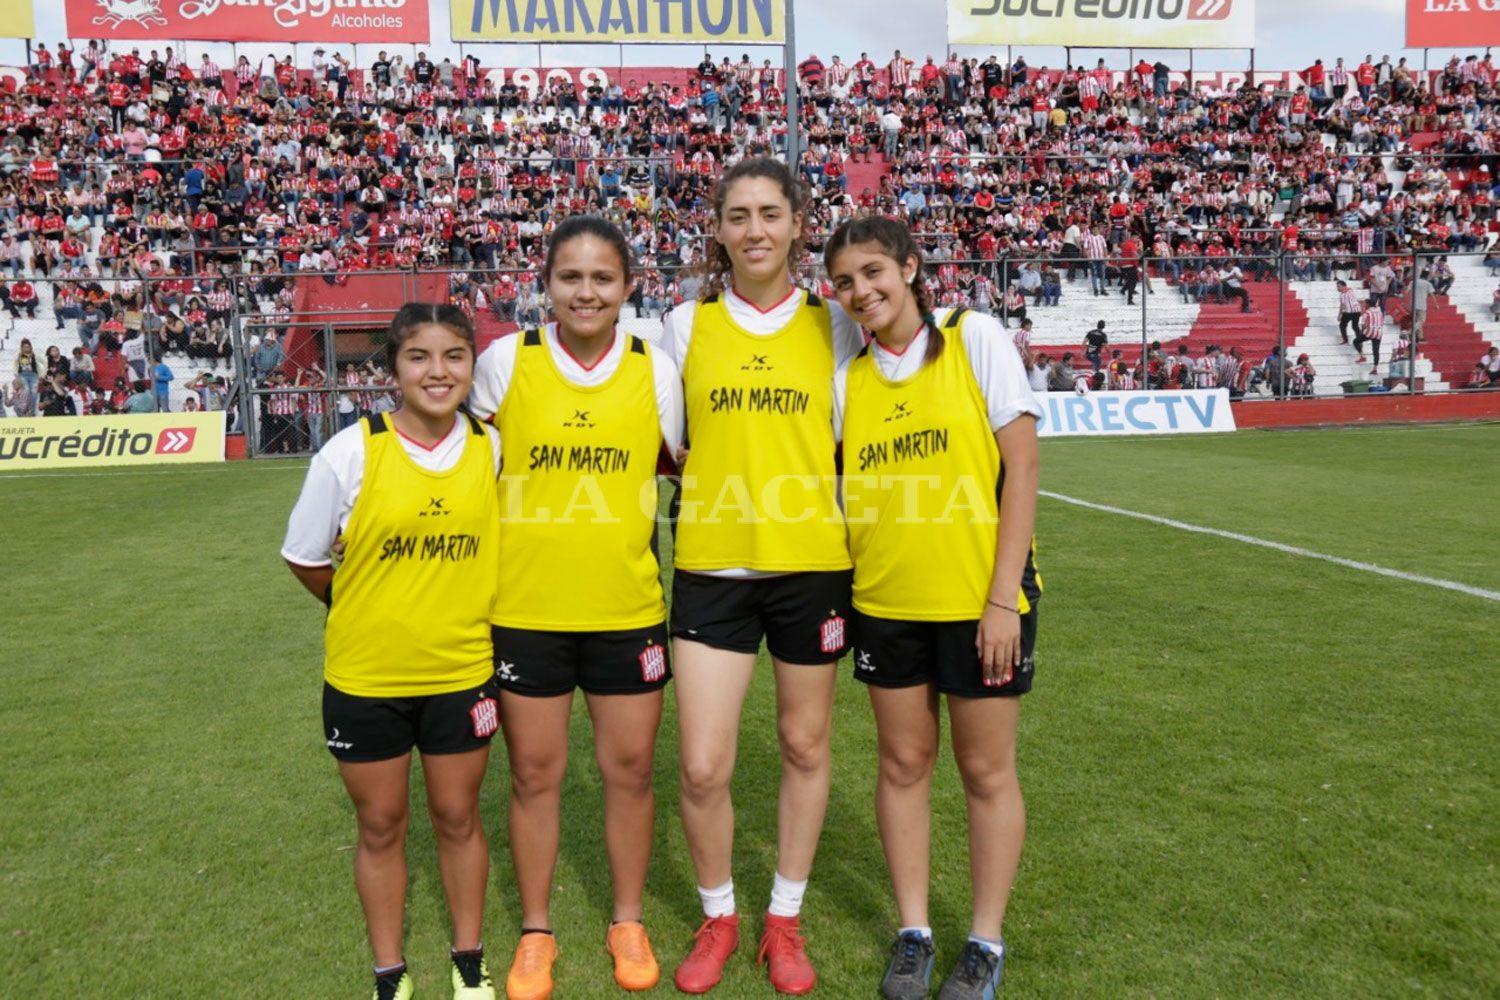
(921, 489)
(578, 496)
(758, 489)
(412, 598)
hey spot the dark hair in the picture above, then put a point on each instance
(896, 242)
(716, 265)
(418, 314)
(575, 226)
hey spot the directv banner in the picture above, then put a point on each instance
(1160, 24)
(613, 21)
(135, 439)
(1195, 411)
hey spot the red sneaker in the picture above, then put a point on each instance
(782, 948)
(714, 942)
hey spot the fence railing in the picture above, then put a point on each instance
(298, 354)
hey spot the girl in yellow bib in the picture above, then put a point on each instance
(584, 411)
(411, 496)
(938, 425)
(761, 552)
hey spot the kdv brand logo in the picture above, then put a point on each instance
(757, 363)
(900, 411)
(580, 418)
(436, 507)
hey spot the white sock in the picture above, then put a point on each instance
(718, 902)
(996, 948)
(786, 896)
(926, 932)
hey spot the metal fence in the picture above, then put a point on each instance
(292, 357)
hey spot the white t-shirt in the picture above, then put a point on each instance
(993, 358)
(334, 479)
(677, 335)
(492, 376)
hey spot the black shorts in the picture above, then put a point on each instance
(366, 729)
(802, 616)
(542, 664)
(893, 653)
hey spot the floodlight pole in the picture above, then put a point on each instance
(789, 85)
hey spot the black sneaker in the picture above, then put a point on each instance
(909, 976)
(976, 976)
(394, 985)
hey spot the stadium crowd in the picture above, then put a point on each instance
(156, 197)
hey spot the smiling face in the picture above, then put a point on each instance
(757, 227)
(875, 289)
(435, 370)
(588, 284)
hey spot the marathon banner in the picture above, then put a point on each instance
(1192, 411)
(1157, 24)
(31, 443)
(615, 21)
(387, 21)
(1452, 24)
(17, 19)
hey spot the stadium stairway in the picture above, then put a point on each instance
(1469, 299)
(1335, 361)
(866, 174)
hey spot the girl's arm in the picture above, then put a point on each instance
(999, 637)
(317, 579)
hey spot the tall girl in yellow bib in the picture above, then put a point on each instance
(940, 479)
(761, 553)
(411, 495)
(584, 412)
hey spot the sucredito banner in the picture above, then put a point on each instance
(389, 21)
(28, 443)
(1186, 24)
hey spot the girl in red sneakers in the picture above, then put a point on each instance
(757, 354)
(940, 481)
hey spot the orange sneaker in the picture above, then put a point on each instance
(782, 948)
(713, 943)
(531, 970)
(635, 965)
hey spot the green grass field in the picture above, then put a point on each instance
(1247, 773)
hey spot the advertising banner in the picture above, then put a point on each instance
(613, 21)
(1191, 411)
(30, 443)
(1157, 24)
(1452, 24)
(388, 21)
(17, 19)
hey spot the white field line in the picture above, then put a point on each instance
(1291, 550)
(272, 466)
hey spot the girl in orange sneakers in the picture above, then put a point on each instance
(940, 481)
(761, 553)
(584, 412)
(411, 497)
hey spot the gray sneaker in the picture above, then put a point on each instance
(976, 976)
(909, 976)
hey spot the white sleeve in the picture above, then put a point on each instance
(998, 369)
(848, 338)
(492, 373)
(328, 495)
(493, 433)
(668, 399)
(678, 332)
(840, 397)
